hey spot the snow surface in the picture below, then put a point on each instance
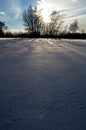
(42, 84)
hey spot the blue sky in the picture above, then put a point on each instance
(11, 11)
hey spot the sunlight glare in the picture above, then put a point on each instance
(45, 8)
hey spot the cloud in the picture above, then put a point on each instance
(17, 11)
(15, 8)
(59, 4)
(69, 8)
(48, 6)
(2, 13)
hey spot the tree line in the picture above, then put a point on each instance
(34, 23)
(35, 26)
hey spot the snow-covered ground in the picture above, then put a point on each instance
(42, 84)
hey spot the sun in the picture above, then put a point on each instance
(45, 10)
(46, 15)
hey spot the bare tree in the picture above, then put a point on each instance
(56, 22)
(73, 28)
(32, 20)
(2, 27)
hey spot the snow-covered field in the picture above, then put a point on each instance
(42, 84)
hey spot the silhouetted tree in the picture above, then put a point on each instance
(32, 20)
(56, 22)
(2, 28)
(74, 26)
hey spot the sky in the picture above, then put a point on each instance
(11, 11)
